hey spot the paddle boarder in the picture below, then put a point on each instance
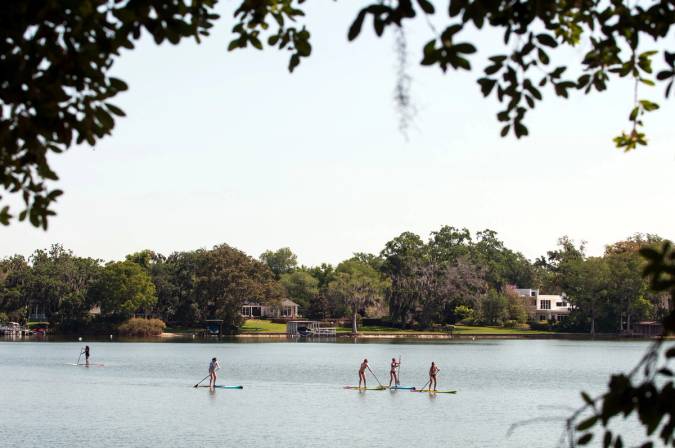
(433, 371)
(393, 374)
(362, 373)
(213, 366)
(86, 354)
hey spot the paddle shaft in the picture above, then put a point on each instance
(79, 357)
(197, 385)
(378, 381)
(398, 376)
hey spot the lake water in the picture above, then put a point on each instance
(293, 395)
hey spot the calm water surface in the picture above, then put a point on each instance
(293, 394)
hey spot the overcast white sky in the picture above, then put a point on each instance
(222, 147)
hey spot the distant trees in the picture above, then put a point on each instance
(202, 284)
(280, 261)
(453, 276)
(14, 272)
(301, 287)
(122, 289)
(58, 282)
(430, 280)
(359, 286)
(608, 292)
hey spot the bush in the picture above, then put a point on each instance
(542, 325)
(510, 323)
(464, 313)
(137, 326)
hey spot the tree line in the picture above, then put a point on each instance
(452, 277)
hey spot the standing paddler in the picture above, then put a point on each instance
(393, 374)
(86, 354)
(362, 373)
(433, 371)
(213, 376)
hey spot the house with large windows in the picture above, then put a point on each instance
(286, 309)
(551, 307)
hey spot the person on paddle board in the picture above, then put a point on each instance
(86, 354)
(362, 372)
(433, 371)
(393, 374)
(213, 376)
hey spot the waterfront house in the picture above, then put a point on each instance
(286, 309)
(550, 307)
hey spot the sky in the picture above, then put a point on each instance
(222, 147)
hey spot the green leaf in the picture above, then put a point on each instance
(587, 398)
(486, 85)
(634, 113)
(233, 44)
(426, 6)
(464, 47)
(648, 105)
(303, 47)
(118, 84)
(607, 439)
(255, 42)
(115, 110)
(547, 39)
(588, 423)
(585, 439)
(355, 27)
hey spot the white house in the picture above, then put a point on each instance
(287, 308)
(545, 306)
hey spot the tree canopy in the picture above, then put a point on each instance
(55, 60)
(280, 261)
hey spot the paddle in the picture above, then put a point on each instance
(398, 376)
(79, 357)
(378, 381)
(425, 385)
(197, 385)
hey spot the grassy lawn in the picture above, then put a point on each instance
(459, 329)
(262, 326)
(266, 326)
(467, 329)
(374, 329)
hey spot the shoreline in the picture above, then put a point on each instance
(443, 336)
(343, 337)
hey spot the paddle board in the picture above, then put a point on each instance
(365, 388)
(435, 391)
(226, 387)
(91, 364)
(402, 388)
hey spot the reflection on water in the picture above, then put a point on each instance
(293, 395)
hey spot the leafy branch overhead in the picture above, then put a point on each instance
(55, 90)
(533, 30)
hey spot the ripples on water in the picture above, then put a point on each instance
(293, 394)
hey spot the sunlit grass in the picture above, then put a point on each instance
(262, 326)
(266, 326)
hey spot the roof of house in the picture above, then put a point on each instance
(284, 302)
